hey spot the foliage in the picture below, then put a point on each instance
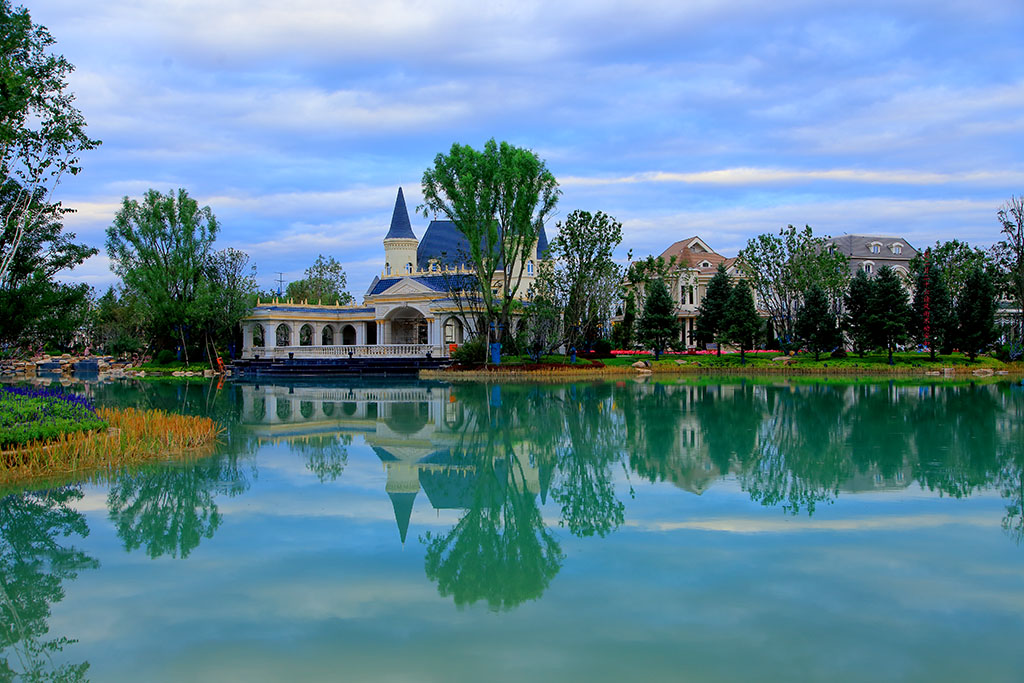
(711, 314)
(889, 313)
(658, 325)
(161, 249)
(622, 334)
(225, 295)
(976, 312)
(41, 132)
(742, 323)
(1009, 257)
(28, 415)
(498, 198)
(325, 283)
(780, 268)
(586, 279)
(473, 352)
(940, 330)
(956, 260)
(541, 320)
(858, 313)
(816, 324)
(165, 357)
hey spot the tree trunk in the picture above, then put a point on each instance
(890, 355)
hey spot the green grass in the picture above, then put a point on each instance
(28, 415)
(173, 366)
(805, 361)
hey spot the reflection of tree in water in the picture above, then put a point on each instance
(34, 564)
(170, 508)
(326, 455)
(499, 552)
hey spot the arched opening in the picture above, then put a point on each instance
(306, 409)
(348, 335)
(408, 417)
(284, 409)
(453, 333)
(408, 326)
(259, 337)
(283, 335)
(387, 269)
(408, 267)
(327, 336)
(327, 408)
(259, 409)
(349, 408)
(306, 335)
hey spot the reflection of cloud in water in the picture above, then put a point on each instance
(752, 525)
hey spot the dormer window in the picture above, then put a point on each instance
(876, 248)
(408, 267)
(705, 264)
(897, 249)
(529, 267)
(387, 269)
(433, 267)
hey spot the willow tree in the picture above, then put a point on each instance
(498, 198)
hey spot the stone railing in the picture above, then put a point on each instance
(344, 351)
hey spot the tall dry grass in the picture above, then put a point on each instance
(132, 436)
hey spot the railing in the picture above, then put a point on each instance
(346, 351)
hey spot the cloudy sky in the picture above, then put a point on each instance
(297, 122)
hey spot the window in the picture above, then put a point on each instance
(868, 268)
(387, 269)
(433, 267)
(876, 248)
(897, 249)
(529, 268)
(408, 267)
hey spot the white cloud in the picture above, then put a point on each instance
(762, 176)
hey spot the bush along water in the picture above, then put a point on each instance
(32, 414)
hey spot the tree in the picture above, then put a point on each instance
(956, 259)
(498, 198)
(976, 312)
(711, 314)
(161, 248)
(742, 323)
(117, 323)
(541, 321)
(225, 297)
(325, 283)
(780, 268)
(658, 325)
(1009, 255)
(41, 132)
(934, 319)
(888, 313)
(816, 324)
(858, 312)
(622, 333)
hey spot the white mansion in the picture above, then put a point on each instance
(406, 312)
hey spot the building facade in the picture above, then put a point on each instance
(407, 310)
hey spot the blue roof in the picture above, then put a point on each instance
(444, 243)
(438, 283)
(400, 226)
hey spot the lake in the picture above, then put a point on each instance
(704, 529)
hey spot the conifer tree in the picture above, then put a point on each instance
(889, 313)
(934, 320)
(816, 326)
(976, 311)
(658, 325)
(711, 314)
(742, 323)
(858, 323)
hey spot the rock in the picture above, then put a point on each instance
(641, 364)
(1002, 372)
(140, 373)
(682, 362)
(209, 373)
(780, 358)
(983, 372)
(641, 372)
(932, 373)
(177, 373)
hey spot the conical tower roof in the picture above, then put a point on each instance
(402, 504)
(400, 226)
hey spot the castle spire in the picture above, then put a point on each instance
(400, 226)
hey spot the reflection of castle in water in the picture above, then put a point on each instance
(419, 432)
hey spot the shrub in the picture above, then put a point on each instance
(166, 357)
(839, 353)
(603, 348)
(472, 352)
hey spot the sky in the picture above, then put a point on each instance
(297, 122)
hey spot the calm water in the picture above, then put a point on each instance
(598, 532)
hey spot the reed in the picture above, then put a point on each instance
(132, 436)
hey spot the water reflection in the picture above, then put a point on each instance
(36, 558)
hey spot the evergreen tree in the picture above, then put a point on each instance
(816, 325)
(889, 312)
(711, 314)
(858, 323)
(941, 322)
(976, 311)
(658, 325)
(742, 323)
(622, 334)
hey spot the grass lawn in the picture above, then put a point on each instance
(805, 361)
(30, 414)
(174, 366)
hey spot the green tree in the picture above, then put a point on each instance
(498, 198)
(658, 325)
(816, 324)
(623, 333)
(858, 312)
(586, 277)
(938, 332)
(711, 314)
(225, 297)
(956, 259)
(161, 249)
(780, 268)
(117, 323)
(889, 313)
(41, 132)
(742, 323)
(325, 283)
(976, 312)
(541, 320)
(1009, 256)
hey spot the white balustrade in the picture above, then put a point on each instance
(346, 351)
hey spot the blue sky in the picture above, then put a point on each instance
(296, 122)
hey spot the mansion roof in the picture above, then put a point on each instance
(695, 254)
(436, 283)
